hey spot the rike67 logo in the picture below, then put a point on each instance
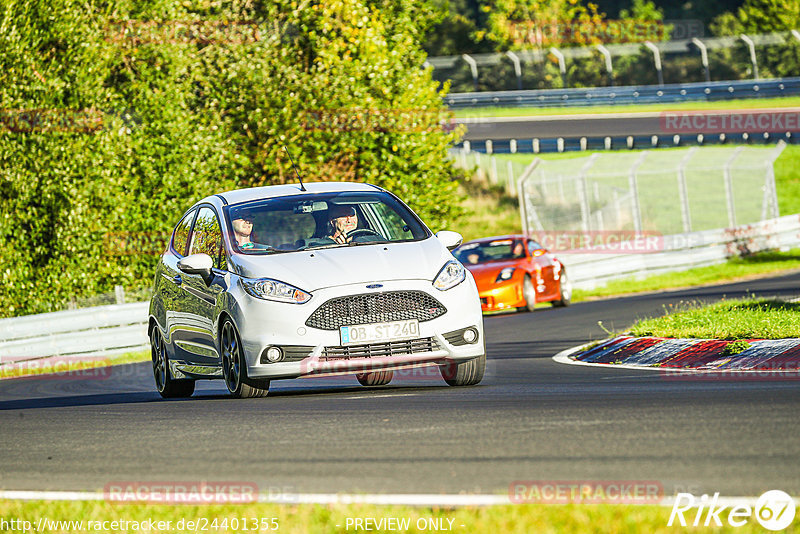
(774, 510)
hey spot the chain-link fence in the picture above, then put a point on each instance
(661, 191)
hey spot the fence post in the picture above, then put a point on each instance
(729, 187)
(510, 187)
(683, 191)
(473, 67)
(770, 202)
(119, 294)
(703, 57)
(583, 193)
(637, 210)
(493, 173)
(751, 45)
(562, 65)
(609, 67)
(657, 59)
(517, 68)
(523, 208)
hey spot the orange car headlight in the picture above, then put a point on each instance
(505, 274)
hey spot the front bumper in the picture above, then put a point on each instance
(502, 297)
(263, 324)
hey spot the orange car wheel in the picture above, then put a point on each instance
(529, 292)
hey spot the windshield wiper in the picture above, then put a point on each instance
(324, 245)
(360, 243)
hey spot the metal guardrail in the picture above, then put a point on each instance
(683, 251)
(632, 94)
(83, 333)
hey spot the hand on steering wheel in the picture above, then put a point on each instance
(361, 231)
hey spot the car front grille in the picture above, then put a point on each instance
(376, 308)
(376, 350)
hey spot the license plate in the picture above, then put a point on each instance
(379, 332)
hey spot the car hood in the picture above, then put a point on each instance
(493, 267)
(317, 269)
(489, 271)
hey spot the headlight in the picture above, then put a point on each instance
(505, 274)
(265, 288)
(452, 274)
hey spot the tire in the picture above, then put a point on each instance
(167, 387)
(466, 373)
(375, 378)
(234, 368)
(565, 288)
(529, 292)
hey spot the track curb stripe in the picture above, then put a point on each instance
(680, 354)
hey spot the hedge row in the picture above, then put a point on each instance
(116, 116)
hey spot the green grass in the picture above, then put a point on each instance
(760, 264)
(544, 518)
(65, 366)
(748, 103)
(729, 320)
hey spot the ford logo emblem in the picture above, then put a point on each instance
(374, 286)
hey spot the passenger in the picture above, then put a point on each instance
(474, 257)
(243, 229)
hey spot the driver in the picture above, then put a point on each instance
(341, 221)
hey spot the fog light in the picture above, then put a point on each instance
(470, 335)
(274, 354)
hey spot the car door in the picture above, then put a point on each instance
(170, 280)
(543, 260)
(199, 300)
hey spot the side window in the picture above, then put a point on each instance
(181, 235)
(207, 238)
(533, 246)
(398, 230)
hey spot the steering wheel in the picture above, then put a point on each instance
(358, 232)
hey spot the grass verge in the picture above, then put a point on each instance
(760, 264)
(745, 103)
(64, 366)
(545, 518)
(727, 320)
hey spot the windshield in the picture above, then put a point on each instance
(313, 221)
(485, 251)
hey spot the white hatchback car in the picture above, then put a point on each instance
(291, 280)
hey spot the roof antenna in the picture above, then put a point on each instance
(302, 187)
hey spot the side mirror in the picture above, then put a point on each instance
(449, 239)
(197, 264)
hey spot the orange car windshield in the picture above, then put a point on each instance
(487, 251)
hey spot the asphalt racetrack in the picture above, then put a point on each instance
(530, 419)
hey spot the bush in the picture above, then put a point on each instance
(184, 101)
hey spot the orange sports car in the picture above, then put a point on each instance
(514, 272)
